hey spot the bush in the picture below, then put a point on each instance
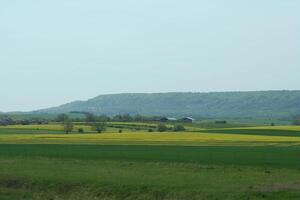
(162, 128)
(221, 122)
(120, 131)
(150, 130)
(179, 128)
(80, 130)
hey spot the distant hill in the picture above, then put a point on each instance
(214, 104)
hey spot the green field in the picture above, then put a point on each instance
(267, 132)
(41, 162)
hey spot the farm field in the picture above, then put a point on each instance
(41, 162)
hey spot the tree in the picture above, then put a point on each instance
(117, 118)
(127, 118)
(104, 118)
(122, 118)
(178, 128)
(162, 128)
(90, 117)
(61, 117)
(296, 122)
(138, 118)
(99, 127)
(295, 119)
(68, 126)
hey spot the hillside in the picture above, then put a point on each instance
(215, 104)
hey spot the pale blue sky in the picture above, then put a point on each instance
(52, 52)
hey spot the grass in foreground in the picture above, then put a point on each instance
(148, 172)
(271, 156)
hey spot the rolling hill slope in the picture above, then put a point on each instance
(215, 104)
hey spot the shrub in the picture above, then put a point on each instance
(150, 130)
(120, 131)
(221, 122)
(80, 130)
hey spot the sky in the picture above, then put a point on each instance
(54, 52)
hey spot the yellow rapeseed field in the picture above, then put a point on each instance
(145, 137)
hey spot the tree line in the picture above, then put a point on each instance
(89, 117)
(91, 120)
(99, 125)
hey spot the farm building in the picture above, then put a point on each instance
(165, 119)
(6, 121)
(188, 119)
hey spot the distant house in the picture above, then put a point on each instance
(172, 119)
(187, 120)
(6, 121)
(166, 119)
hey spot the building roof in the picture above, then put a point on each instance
(188, 118)
(172, 119)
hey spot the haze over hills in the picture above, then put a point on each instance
(214, 104)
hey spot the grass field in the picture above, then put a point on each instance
(41, 162)
(257, 131)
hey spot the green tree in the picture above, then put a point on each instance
(68, 126)
(61, 117)
(99, 127)
(178, 128)
(118, 118)
(138, 118)
(162, 128)
(90, 117)
(296, 119)
(296, 122)
(104, 118)
(127, 118)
